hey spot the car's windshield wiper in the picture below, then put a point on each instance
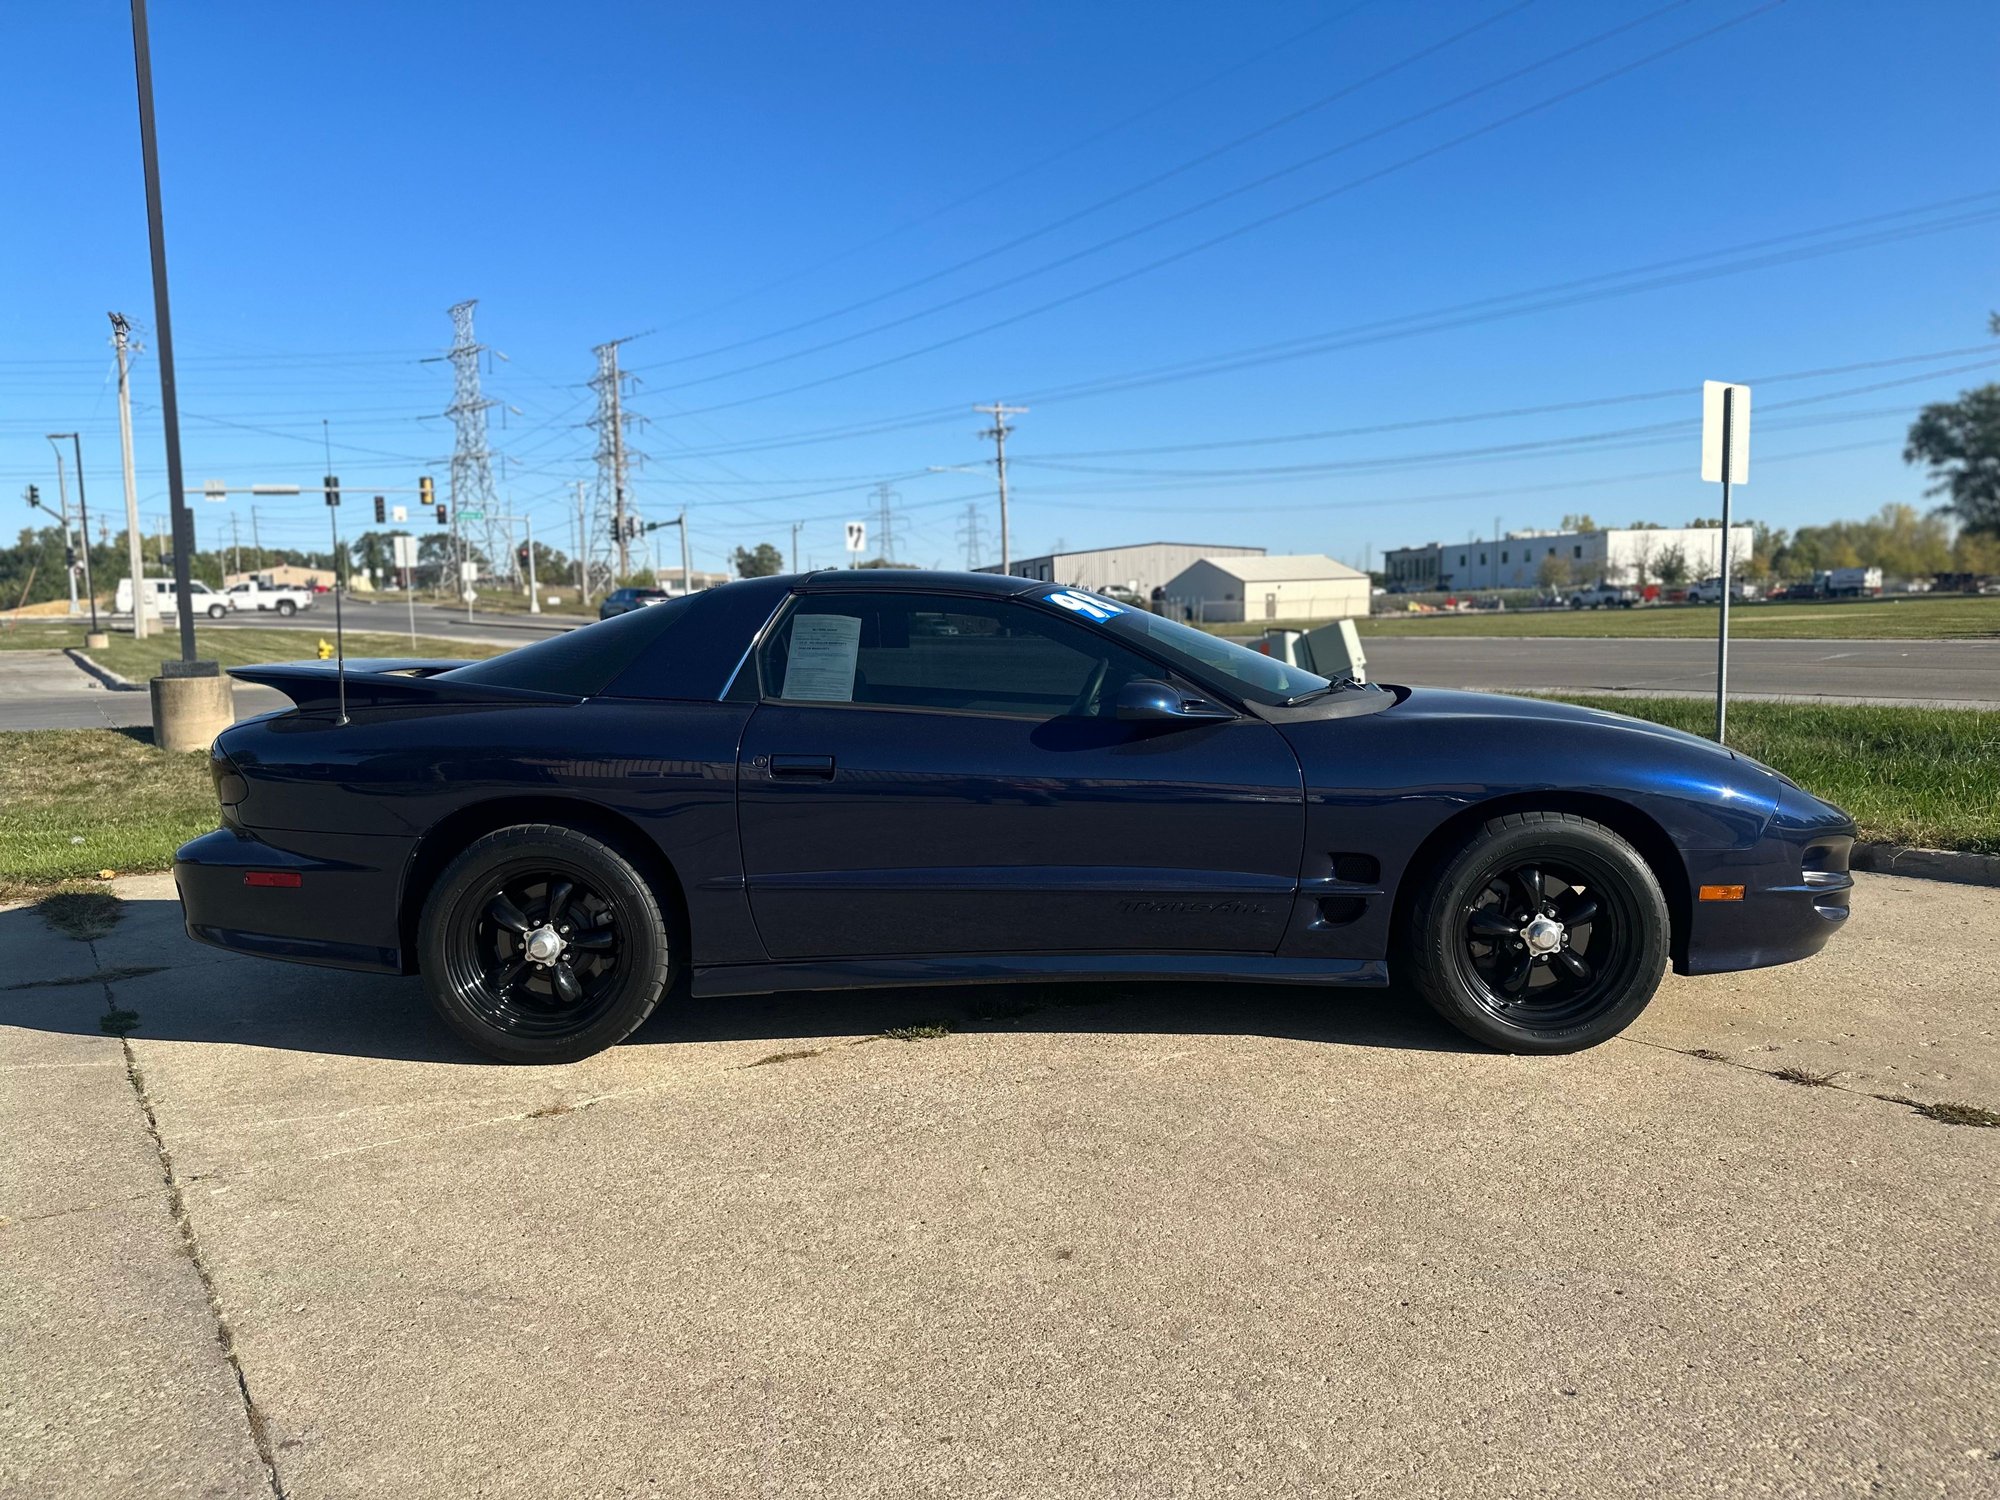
(1332, 687)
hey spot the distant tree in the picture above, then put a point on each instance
(764, 562)
(374, 552)
(883, 562)
(1960, 441)
(1705, 523)
(1555, 572)
(1582, 521)
(1671, 566)
(1645, 526)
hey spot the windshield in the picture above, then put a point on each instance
(1250, 674)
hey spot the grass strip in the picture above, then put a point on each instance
(1923, 776)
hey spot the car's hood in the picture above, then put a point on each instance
(1447, 704)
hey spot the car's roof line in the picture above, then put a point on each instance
(999, 585)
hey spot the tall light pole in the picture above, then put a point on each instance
(170, 416)
(83, 509)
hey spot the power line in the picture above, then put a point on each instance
(1077, 215)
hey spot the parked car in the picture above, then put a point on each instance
(206, 600)
(800, 783)
(624, 601)
(258, 595)
(1604, 596)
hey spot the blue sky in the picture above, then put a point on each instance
(833, 230)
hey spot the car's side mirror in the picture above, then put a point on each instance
(1145, 700)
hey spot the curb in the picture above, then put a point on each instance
(104, 675)
(1927, 864)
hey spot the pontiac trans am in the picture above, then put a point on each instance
(869, 778)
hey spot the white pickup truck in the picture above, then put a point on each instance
(256, 595)
(1604, 596)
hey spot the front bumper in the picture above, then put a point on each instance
(1796, 887)
(342, 913)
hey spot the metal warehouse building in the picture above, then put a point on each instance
(1140, 567)
(1520, 559)
(1298, 586)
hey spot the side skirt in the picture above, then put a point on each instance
(882, 973)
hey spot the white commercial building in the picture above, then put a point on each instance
(1139, 568)
(1533, 559)
(1300, 586)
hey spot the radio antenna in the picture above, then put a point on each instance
(333, 525)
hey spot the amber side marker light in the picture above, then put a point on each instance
(1722, 893)
(289, 881)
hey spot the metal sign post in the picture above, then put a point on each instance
(1725, 459)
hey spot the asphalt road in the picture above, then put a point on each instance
(1960, 673)
(1137, 1241)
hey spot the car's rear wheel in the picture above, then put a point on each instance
(1546, 932)
(286, 607)
(543, 944)
(217, 611)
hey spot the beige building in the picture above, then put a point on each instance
(291, 576)
(1296, 586)
(1137, 569)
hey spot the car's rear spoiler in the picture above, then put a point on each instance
(383, 682)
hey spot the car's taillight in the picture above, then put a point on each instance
(230, 787)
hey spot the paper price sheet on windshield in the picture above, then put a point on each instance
(820, 668)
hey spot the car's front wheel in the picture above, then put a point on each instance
(543, 944)
(1546, 932)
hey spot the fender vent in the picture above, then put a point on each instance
(1357, 869)
(1339, 911)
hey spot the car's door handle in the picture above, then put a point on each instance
(812, 767)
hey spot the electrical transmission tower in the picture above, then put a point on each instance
(471, 460)
(611, 518)
(972, 532)
(885, 542)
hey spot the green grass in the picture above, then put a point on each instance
(75, 802)
(233, 647)
(1917, 619)
(1924, 776)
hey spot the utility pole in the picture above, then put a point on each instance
(795, 544)
(256, 546)
(999, 411)
(121, 337)
(235, 545)
(582, 542)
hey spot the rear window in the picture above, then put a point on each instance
(582, 662)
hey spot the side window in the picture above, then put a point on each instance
(938, 652)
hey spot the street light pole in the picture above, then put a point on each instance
(83, 509)
(170, 417)
(62, 499)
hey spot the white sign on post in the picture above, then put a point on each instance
(1711, 432)
(403, 549)
(215, 490)
(468, 571)
(857, 535)
(399, 513)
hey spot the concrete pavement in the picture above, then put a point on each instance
(1136, 1241)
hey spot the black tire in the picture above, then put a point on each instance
(473, 945)
(286, 607)
(1472, 952)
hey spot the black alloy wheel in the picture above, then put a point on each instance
(1546, 932)
(543, 944)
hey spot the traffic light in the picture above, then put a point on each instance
(441, 517)
(332, 485)
(381, 511)
(617, 530)
(426, 492)
(521, 556)
(33, 496)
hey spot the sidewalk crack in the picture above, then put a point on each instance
(225, 1335)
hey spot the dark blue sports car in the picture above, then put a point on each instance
(876, 778)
